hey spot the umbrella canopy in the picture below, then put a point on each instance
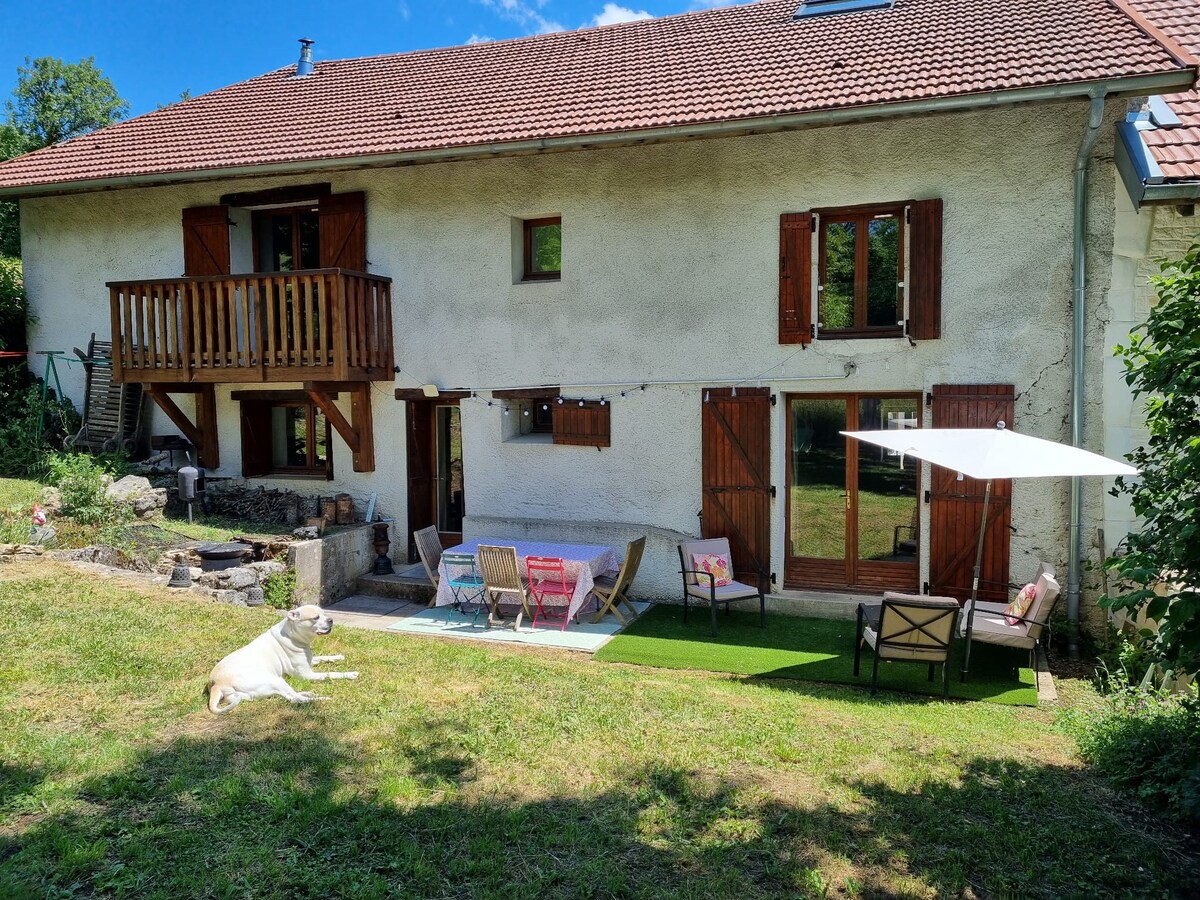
(987, 453)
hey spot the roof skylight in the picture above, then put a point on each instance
(810, 8)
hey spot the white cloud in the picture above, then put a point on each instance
(405, 13)
(479, 39)
(525, 13)
(613, 13)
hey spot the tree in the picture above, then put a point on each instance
(55, 101)
(1162, 364)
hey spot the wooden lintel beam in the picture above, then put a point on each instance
(410, 394)
(203, 433)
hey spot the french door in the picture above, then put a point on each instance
(852, 513)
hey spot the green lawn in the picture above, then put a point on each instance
(456, 770)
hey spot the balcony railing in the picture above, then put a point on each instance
(309, 325)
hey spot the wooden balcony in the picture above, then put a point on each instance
(327, 325)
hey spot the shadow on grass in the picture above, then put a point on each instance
(296, 814)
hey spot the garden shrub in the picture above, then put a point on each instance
(1146, 742)
(279, 590)
(81, 480)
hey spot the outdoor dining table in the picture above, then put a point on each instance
(583, 564)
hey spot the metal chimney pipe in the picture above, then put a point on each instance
(304, 66)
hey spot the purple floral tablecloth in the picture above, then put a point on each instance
(583, 563)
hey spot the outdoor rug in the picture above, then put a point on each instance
(582, 636)
(809, 650)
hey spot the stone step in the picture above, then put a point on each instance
(400, 587)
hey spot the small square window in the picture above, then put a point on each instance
(543, 249)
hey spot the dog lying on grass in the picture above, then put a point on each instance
(257, 669)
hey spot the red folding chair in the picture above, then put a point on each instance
(548, 579)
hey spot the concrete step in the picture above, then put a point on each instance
(415, 589)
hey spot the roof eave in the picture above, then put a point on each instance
(1142, 176)
(1139, 85)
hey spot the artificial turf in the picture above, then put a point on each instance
(809, 650)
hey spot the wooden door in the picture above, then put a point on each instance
(735, 474)
(957, 506)
(436, 489)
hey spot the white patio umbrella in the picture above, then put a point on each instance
(987, 454)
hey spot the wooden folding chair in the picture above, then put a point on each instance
(429, 548)
(614, 592)
(502, 578)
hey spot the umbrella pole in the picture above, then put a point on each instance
(987, 496)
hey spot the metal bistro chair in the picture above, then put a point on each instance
(466, 585)
(614, 592)
(911, 628)
(548, 578)
(502, 578)
(429, 548)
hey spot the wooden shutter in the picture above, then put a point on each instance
(925, 275)
(735, 440)
(588, 425)
(343, 231)
(256, 438)
(956, 506)
(795, 278)
(206, 241)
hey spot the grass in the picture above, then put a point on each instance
(809, 649)
(18, 492)
(221, 528)
(456, 770)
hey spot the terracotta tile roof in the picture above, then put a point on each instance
(719, 65)
(1177, 149)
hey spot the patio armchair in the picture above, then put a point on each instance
(466, 585)
(502, 579)
(911, 628)
(429, 548)
(548, 578)
(613, 592)
(991, 627)
(698, 585)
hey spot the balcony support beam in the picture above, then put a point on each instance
(359, 432)
(203, 432)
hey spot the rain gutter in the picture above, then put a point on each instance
(1078, 327)
(1140, 85)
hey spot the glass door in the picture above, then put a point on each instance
(852, 512)
(450, 495)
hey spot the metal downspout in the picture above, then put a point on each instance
(1078, 323)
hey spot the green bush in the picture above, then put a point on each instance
(81, 480)
(1147, 743)
(279, 590)
(23, 452)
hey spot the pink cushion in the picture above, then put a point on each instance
(717, 565)
(1015, 611)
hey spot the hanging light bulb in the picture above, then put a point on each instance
(734, 394)
(525, 413)
(603, 401)
(581, 403)
(545, 406)
(560, 400)
(506, 410)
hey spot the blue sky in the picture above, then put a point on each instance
(154, 50)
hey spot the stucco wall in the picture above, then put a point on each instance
(669, 274)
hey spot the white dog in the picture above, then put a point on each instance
(257, 669)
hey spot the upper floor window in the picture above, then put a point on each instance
(287, 239)
(542, 249)
(861, 272)
(861, 284)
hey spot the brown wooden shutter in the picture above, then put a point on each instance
(206, 241)
(344, 231)
(925, 276)
(256, 438)
(583, 426)
(735, 441)
(956, 506)
(795, 278)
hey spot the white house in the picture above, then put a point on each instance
(634, 279)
